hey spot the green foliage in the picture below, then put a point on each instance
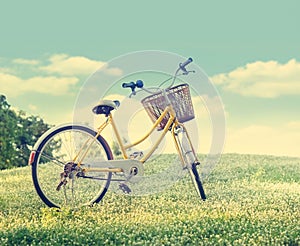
(116, 149)
(18, 134)
(252, 200)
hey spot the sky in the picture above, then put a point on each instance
(249, 49)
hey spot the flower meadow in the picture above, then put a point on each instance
(251, 200)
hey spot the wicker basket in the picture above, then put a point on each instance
(180, 99)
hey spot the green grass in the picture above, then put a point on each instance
(252, 200)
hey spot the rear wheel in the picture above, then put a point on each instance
(56, 176)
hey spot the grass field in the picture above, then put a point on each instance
(252, 200)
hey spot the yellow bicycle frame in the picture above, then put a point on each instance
(172, 123)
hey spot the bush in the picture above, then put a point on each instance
(18, 135)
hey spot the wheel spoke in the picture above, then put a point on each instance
(53, 159)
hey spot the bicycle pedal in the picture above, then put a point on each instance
(63, 182)
(124, 187)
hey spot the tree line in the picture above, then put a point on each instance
(18, 134)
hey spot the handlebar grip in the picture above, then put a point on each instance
(129, 85)
(139, 84)
(188, 61)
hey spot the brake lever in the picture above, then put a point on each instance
(187, 72)
(191, 71)
(132, 94)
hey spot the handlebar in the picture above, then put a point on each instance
(140, 84)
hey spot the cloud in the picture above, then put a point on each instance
(13, 86)
(25, 61)
(76, 65)
(62, 72)
(32, 107)
(6, 70)
(262, 79)
(264, 139)
(294, 125)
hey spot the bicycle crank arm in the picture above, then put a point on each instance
(131, 169)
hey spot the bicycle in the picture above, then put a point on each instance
(74, 165)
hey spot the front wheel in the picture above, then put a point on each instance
(197, 182)
(190, 159)
(56, 176)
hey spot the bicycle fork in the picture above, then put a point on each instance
(184, 146)
(188, 156)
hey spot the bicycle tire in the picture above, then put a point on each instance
(190, 159)
(197, 182)
(51, 159)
